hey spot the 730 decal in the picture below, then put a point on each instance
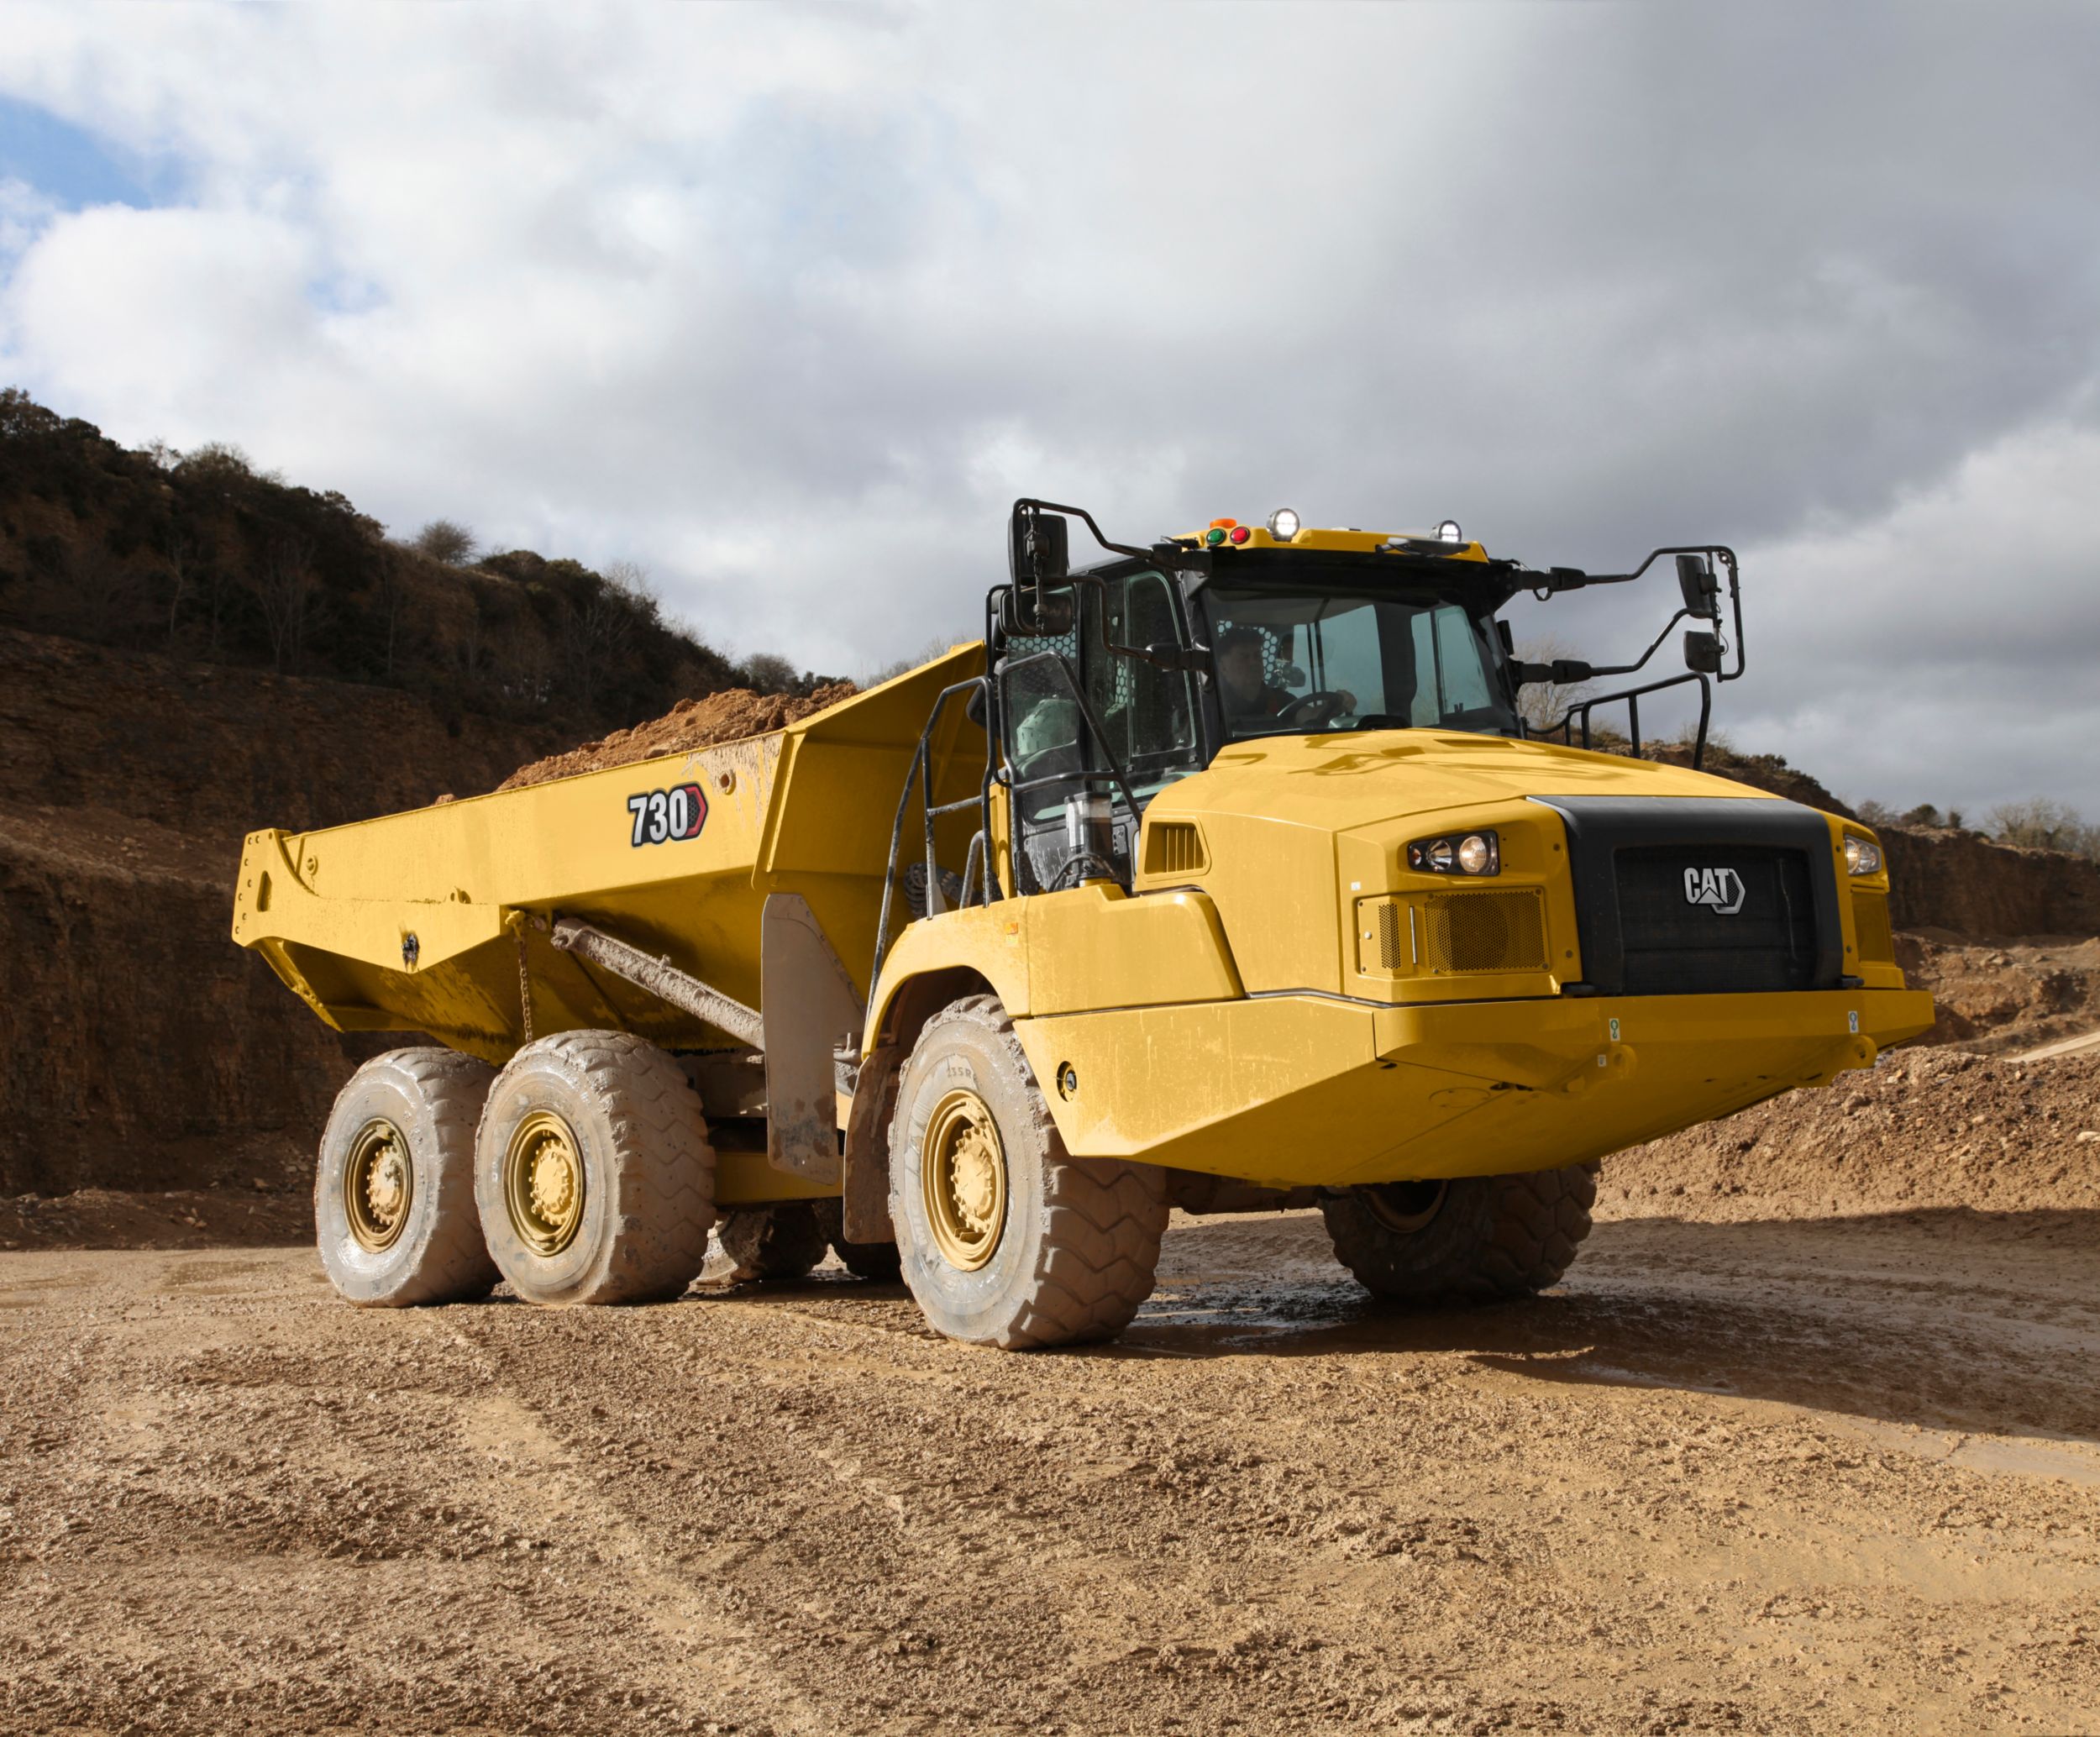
(665, 816)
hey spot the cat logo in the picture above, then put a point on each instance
(1720, 889)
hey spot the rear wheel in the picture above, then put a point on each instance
(773, 1242)
(1004, 1238)
(593, 1172)
(393, 1198)
(1472, 1239)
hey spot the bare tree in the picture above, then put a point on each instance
(392, 589)
(2042, 824)
(179, 552)
(934, 648)
(445, 540)
(608, 620)
(285, 586)
(1542, 704)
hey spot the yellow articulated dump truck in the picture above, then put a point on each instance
(1225, 873)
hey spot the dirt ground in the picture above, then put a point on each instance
(1791, 1476)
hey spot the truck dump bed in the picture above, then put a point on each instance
(438, 920)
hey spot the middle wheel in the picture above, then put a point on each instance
(1005, 1238)
(773, 1243)
(592, 1171)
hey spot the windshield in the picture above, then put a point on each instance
(1291, 661)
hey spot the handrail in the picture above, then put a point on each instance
(1565, 724)
(921, 771)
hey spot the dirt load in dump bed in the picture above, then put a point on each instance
(727, 716)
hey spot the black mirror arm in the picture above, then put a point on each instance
(1086, 519)
(1197, 660)
(1556, 579)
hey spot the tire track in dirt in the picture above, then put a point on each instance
(1811, 1477)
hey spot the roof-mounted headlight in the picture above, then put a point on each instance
(1448, 531)
(1283, 524)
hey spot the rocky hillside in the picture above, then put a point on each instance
(199, 556)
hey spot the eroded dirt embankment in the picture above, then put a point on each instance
(139, 1048)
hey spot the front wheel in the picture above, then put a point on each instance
(1472, 1239)
(1005, 1239)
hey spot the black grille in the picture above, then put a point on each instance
(1706, 920)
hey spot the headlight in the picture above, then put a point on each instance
(1862, 856)
(1456, 854)
(1283, 524)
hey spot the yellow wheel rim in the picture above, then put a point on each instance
(1406, 1206)
(542, 1183)
(379, 1186)
(963, 1178)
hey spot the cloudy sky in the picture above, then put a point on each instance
(787, 303)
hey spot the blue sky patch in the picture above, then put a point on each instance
(69, 166)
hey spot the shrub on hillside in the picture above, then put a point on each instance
(2042, 824)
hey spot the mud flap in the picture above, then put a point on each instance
(811, 1008)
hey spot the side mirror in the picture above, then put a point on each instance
(1031, 614)
(1703, 652)
(1702, 590)
(1037, 547)
(1172, 654)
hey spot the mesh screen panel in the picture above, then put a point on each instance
(1392, 957)
(1869, 917)
(1469, 932)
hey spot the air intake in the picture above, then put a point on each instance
(1175, 847)
(1466, 933)
(1870, 921)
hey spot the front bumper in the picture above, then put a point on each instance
(1291, 1090)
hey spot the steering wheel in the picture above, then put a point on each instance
(1313, 709)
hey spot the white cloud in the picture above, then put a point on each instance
(787, 303)
(23, 211)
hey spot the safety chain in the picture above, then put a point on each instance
(524, 982)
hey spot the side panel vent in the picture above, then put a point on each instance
(1870, 919)
(1467, 932)
(1388, 938)
(1452, 934)
(1175, 847)
(1390, 957)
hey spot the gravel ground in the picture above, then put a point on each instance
(1793, 1476)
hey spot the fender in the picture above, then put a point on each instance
(1092, 947)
